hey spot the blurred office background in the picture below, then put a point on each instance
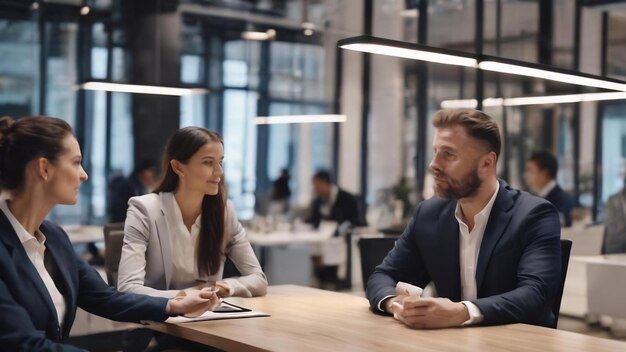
(251, 58)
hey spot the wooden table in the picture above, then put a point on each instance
(307, 319)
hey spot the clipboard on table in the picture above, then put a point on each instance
(226, 310)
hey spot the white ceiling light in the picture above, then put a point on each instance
(538, 100)
(411, 54)
(406, 50)
(550, 75)
(308, 28)
(413, 51)
(141, 89)
(269, 120)
(252, 35)
(459, 104)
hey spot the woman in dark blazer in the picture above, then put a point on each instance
(42, 281)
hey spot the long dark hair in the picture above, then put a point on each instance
(182, 146)
(24, 140)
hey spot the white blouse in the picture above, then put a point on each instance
(183, 244)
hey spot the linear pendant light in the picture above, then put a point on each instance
(537, 100)
(413, 51)
(141, 89)
(270, 120)
(551, 74)
(406, 50)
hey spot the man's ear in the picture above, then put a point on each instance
(490, 160)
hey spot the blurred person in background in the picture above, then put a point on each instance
(540, 176)
(121, 189)
(615, 223)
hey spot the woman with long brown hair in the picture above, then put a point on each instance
(180, 235)
(42, 280)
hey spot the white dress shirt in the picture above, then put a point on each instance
(469, 248)
(327, 207)
(183, 244)
(35, 249)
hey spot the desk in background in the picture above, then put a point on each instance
(286, 237)
(285, 255)
(307, 319)
(83, 234)
(606, 284)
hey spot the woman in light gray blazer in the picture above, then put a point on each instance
(179, 236)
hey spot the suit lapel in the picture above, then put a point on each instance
(164, 239)
(58, 253)
(498, 221)
(24, 266)
(448, 243)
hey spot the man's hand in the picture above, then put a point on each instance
(388, 305)
(193, 302)
(428, 313)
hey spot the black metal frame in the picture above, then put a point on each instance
(421, 101)
(368, 21)
(597, 170)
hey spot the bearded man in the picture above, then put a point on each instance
(492, 252)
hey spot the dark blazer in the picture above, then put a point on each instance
(121, 190)
(519, 263)
(345, 208)
(28, 319)
(563, 203)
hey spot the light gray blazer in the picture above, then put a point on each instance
(615, 224)
(146, 265)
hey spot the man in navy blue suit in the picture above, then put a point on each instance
(540, 175)
(492, 252)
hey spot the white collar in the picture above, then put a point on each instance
(484, 213)
(172, 207)
(19, 229)
(334, 191)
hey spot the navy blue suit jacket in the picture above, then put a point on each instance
(28, 319)
(563, 202)
(519, 263)
(345, 208)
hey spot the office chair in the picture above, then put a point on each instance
(566, 249)
(373, 251)
(113, 240)
(230, 270)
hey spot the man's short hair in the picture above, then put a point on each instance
(545, 161)
(477, 125)
(323, 176)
